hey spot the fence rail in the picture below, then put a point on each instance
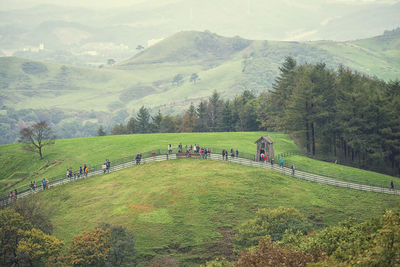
(216, 154)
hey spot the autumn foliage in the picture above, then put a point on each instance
(90, 248)
(268, 254)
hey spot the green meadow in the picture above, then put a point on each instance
(189, 209)
(18, 167)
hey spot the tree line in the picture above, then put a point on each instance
(210, 115)
(338, 113)
(333, 114)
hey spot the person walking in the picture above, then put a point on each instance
(104, 167)
(15, 193)
(237, 153)
(44, 184)
(108, 163)
(392, 185)
(272, 162)
(31, 186)
(281, 162)
(80, 171)
(85, 170)
(293, 169)
(11, 195)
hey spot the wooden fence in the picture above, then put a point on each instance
(160, 155)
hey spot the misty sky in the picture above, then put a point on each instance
(15, 4)
(289, 20)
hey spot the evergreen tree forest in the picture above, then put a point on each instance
(341, 114)
(332, 114)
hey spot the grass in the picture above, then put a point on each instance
(94, 150)
(340, 172)
(189, 209)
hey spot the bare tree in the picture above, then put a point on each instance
(37, 136)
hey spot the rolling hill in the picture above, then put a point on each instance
(190, 209)
(18, 168)
(228, 65)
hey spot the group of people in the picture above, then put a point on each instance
(203, 151)
(13, 194)
(106, 166)
(76, 175)
(232, 153)
(264, 158)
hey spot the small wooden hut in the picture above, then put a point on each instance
(265, 145)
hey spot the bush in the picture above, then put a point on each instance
(271, 223)
(32, 210)
(268, 254)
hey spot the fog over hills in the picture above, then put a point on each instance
(81, 64)
(90, 32)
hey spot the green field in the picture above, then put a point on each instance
(19, 167)
(189, 209)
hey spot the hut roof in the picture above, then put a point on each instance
(265, 138)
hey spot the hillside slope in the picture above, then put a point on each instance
(190, 209)
(228, 65)
(160, 77)
(18, 168)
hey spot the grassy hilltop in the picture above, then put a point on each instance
(19, 167)
(187, 208)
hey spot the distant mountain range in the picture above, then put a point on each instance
(89, 36)
(228, 65)
(161, 76)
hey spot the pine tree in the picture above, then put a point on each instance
(100, 131)
(225, 123)
(131, 126)
(189, 120)
(143, 120)
(202, 114)
(214, 106)
(157, 122)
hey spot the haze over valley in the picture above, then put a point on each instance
(92, 63)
